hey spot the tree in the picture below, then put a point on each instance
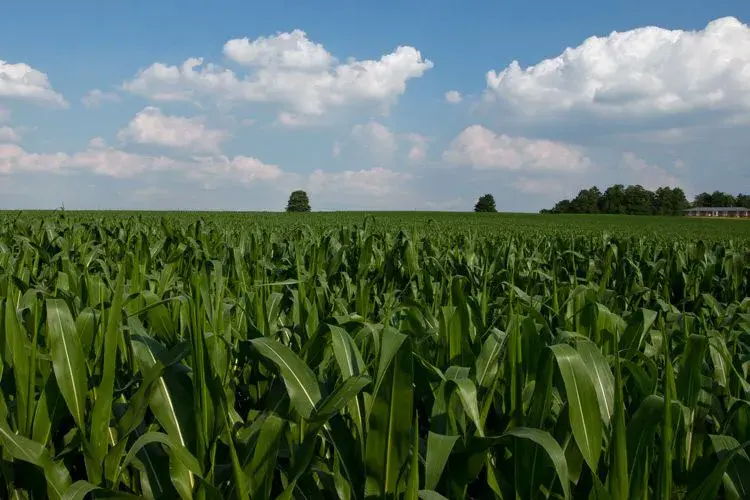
(721, 199)
(613, 200)
(587, 201)
(638, 200)
(298, 202)
(669, 201)
(743, 200)
(703, 200)
(486, 203)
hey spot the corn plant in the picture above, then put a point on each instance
(219, 358)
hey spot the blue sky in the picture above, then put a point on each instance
(368, 105)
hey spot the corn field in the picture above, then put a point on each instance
(230, 358)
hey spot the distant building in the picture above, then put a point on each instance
(718, 212)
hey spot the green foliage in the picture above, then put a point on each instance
(227, 356)
(618, 199)
(721, 199)
(486, 203)
(298, 202)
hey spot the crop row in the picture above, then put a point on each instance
(164, 358)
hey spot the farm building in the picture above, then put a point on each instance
(718, 212)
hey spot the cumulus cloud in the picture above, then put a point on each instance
(151, 126)
(94, 98)
(483, 149)
(292, 51)
(378, 139)
(97, 143)
(21, 81)
(648, 175)
(243, 169)
(8, 134)
(108, 161)
(287, 69)
(418, 147)
(453, 97)
(642, 73)
(292, 120)
(103, 160)
(378, 187)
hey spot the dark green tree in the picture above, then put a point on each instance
(669, 201)
(613, 200)
(638, 200)
(298, 202)
(703, 200)
(743, 200)
(485, 203)
(721, 199)
(561, 207)
(587, 201)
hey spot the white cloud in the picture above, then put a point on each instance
(97, 143)
(100, 159)
(284, 50)
(418, 148)
(151, 126)
(292, 120)
(648, 175)
(24, 82)
(94, 98)
(109, 162)
(287, 69)
(378, 139)
(336, 152)
(243, 169)
(378, 187)
(115, 163)
(642, 73)
(8, 134)
(453, 97)
(481, 148)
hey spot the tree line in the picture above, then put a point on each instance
(637, 200)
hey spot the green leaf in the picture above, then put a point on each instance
(412, 486)
(487, 365)
(390, 416)
(551, 447)
(738, 469)
(439, 447)
(618, 475)
(21, 448)
(585, 419)
(259, 470)
(299, 380)
(601, 375)
(100, 432)
(68, 361)
(709, 488)
(340, 397)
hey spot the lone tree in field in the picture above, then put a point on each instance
(298, 202)
(486, 203)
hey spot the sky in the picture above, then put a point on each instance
(388, 105)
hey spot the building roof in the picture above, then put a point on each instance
(717, 209)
